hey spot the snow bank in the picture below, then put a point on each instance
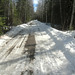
(16, 30)
(55, 51)
(10, 34)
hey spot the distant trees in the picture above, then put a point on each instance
(67, 6)
(59, 12)
(14, 12)
(56, 12)
(2, 17)
(24, 10)
(72, 15)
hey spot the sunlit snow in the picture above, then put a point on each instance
(54, 52)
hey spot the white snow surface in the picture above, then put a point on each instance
(54, 52)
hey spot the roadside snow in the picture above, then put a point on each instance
(54, 52)
(12, 33)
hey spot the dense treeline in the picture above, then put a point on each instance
(14, 12)
(60, 13)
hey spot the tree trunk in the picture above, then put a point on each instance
(61, 15)
(72, 15)
(46, 14)
(52, 14)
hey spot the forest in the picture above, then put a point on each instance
(37, 37)
(59, 13)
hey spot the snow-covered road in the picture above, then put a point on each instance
(37, 49)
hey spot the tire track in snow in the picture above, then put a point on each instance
(9, 49)
(11, 44)
(12, 37)
(29, 50)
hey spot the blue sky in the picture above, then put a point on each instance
(35, 4)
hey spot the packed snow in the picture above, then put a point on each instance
(54, 52)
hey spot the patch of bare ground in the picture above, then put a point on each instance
(28, 72)
(30, 46)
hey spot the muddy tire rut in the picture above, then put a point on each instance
(22, 44)
(30, 47)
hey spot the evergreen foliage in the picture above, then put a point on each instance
(58, 12)
(13, 13)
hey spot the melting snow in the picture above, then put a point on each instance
(54, 53)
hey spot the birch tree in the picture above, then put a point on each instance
(72, 15)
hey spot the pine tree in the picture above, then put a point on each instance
(2, 17)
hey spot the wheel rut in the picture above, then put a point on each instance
(30, 47)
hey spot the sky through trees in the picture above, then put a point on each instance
(35, 4)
